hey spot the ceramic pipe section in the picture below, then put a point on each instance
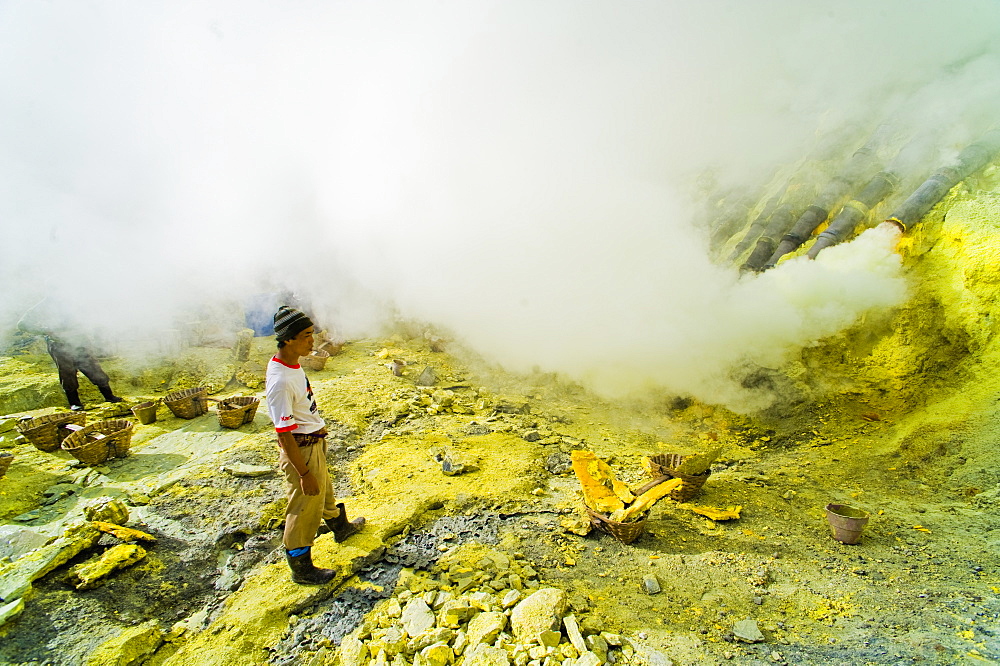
(860, 167)
(969, 161)
(730, 220)
(780, 222)
(853, 212)
(756, 228)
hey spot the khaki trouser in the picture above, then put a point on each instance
(304, 514)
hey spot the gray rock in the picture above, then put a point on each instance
(11, 610)
(353, 652)
(417, 617)
(438, 654)
(510, 598)
(486, 655)
(747, 631)
(645, 655)
(540, 611)
(428, 638)
(16, 579)
(427, 378)
(482, 600)
(459, 643)
(9, 440)
(16, 540)
(485, 627)
(454, 612)
(651, 584)
(248, 470)
(573, 633)
(598, 646)
(558, 463)
(510, 407)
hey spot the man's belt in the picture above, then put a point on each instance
(308, 439)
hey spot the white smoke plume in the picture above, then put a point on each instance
(530, 175)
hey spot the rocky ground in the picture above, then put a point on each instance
(475, 525)
(920, 587)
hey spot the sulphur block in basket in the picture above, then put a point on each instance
(648, 499)
(602, 491)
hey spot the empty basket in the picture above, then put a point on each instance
(100, 441)
(188, 403)
(315, 361)
(146, 412)
(47, 432)
(237, 411)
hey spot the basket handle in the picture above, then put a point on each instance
(655, 482)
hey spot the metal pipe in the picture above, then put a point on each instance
(970, 160)
(859, 167)
(756, 227)
(731, 219)
(780, 222)
(854, 211)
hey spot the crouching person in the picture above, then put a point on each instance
(302, 457)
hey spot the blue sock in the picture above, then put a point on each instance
(296, 552)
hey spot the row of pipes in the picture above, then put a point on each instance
(780, 228)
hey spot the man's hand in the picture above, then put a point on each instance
(310, 486)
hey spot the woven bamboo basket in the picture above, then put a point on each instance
(146, 412)
(333, 348)
(47, 432)
(666, 464)
(188, 403)
(237, 411)
(623, 532)
(100, 441)
(315, 361)
(5, 460)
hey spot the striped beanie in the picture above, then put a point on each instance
(289, 322)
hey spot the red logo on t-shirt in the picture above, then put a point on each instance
(286, 418)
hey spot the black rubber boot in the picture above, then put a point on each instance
(343, 528)
(74, 401)
(305, 573)
(108, 394)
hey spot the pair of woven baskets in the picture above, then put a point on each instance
(5, 460)
(47, 432)
(98, 442)
(666, 464)
(237, 411)
(315, 361)
(189, 403)
(623, 532)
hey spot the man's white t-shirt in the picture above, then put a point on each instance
(290, 400)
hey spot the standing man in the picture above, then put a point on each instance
(302, 441)
(70, 351)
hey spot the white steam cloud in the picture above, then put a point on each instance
(527, 174)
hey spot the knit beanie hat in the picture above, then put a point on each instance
(289, 322)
